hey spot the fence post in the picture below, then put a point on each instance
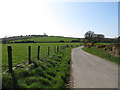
(29, 54)
(57, 48)
(48, 51)
(10, 59)
(38, 57)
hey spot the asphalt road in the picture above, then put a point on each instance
(90, 71)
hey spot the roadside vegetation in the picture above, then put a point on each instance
(102, 53)
(102, 43)
(51, 72)
(103, 47)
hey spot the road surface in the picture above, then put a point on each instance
(90, 71)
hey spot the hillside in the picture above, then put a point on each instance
(48, 39)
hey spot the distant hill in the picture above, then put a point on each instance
(44, 39)
(48, 39)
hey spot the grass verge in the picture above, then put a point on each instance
(52, 72)
(102, 53)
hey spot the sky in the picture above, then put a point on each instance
(69, 19)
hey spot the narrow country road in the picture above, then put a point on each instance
(90, 71)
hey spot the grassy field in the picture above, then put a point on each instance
(52, 72)
(20, 51)
(102, 53)
(102, 43)
(47, 39)
(49, 72)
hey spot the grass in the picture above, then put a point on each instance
(47, 39)
(20, 51)
(102, 43)
(0, 53)
(52, 72)
(102, 53)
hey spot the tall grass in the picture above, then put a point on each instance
(52, 72)
(102, 53)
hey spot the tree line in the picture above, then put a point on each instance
(91, 37)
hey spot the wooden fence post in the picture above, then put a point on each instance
(38, 57)
(48, 51)
(57, 48)
(10, 59)
(29, 54)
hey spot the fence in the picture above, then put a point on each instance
(56, 49)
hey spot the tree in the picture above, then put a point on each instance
(89, 36)
(45, 34)
(99, 37)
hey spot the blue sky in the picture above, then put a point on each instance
(69, 19)
(100, 17)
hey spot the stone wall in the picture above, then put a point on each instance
(114, 49)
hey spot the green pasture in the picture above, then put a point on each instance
(47, 39)
(20, 51)
(102, 43)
